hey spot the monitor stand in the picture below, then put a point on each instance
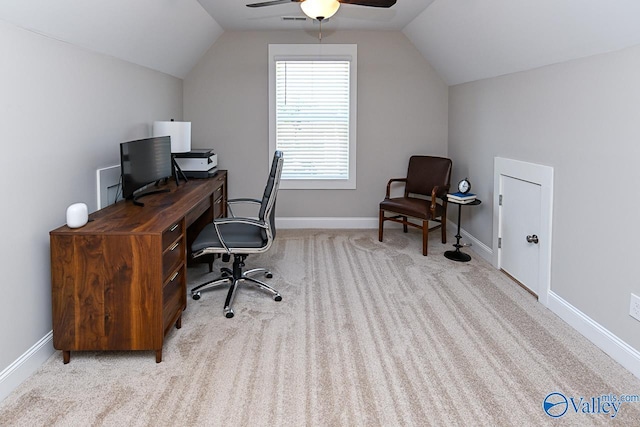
(177, 171)
(147, 193)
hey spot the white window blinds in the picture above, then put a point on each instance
(312, 118)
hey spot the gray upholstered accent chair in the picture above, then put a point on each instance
(241, 237)
(425, 197)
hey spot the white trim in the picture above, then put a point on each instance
(326, 222)
(619, 350)
(543, 176)
(13, 375)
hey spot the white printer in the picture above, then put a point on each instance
(198, 163)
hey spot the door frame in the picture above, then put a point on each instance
(540, 175)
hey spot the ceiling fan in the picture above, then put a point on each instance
(324, 9)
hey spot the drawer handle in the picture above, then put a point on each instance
(175, 245)
(174, 276)
(172, 229)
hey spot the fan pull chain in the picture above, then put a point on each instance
(320, 32)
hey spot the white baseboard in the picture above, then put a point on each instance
(25, 365)
(334, 223)
(327, 222)
(619, 350)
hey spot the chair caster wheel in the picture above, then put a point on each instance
(277, 298)
(228, 314)
(196, 296)
(268, 275)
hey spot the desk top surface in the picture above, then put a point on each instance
(160, 211)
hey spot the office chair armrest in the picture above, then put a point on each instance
(388, 194)
(244, 200)
(241, 200)
(240, 220)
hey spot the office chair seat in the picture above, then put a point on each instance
(236, 235)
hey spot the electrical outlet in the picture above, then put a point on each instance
(634, 309)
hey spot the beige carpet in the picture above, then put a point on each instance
(367, 334)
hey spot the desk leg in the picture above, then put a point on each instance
(457, 255)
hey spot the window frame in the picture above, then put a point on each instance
(316, 52)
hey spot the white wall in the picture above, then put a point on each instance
(402, 110)
(583, 119)
(63, 113)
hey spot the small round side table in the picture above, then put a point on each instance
(457, 255)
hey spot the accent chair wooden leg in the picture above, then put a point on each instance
(158, 356)
(425, 236)
(404, 224)
(380, 225)
(66, 356)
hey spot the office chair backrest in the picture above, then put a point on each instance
(268, 207)
(425, 172)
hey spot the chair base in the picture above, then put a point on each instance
(233, 278)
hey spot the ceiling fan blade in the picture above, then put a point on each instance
(272, 3)
(370, 3)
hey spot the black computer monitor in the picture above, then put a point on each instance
(144, 162)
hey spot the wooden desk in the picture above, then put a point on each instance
(119, 282)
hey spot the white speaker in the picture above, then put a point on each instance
(77, 215)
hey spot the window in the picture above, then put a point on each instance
(312, 113)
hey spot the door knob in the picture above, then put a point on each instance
(532, 239)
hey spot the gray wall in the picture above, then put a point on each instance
(402, 110)
(64, 112)
(583, 119)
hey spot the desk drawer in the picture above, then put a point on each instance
(171, 234)
(218, 208)
(173, 297)
(171, 258)
(217, 194)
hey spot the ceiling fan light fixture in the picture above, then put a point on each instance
(320, 9)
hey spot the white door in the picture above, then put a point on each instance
(523, 216)
(520, 231)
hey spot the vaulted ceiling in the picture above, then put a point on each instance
(464, 40)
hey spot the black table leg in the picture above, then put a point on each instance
(457, 255)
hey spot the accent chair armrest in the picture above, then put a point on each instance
(438, 192)
(392, 180)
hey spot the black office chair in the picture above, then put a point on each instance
(240, 237)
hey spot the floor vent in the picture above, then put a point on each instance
(294, 18)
